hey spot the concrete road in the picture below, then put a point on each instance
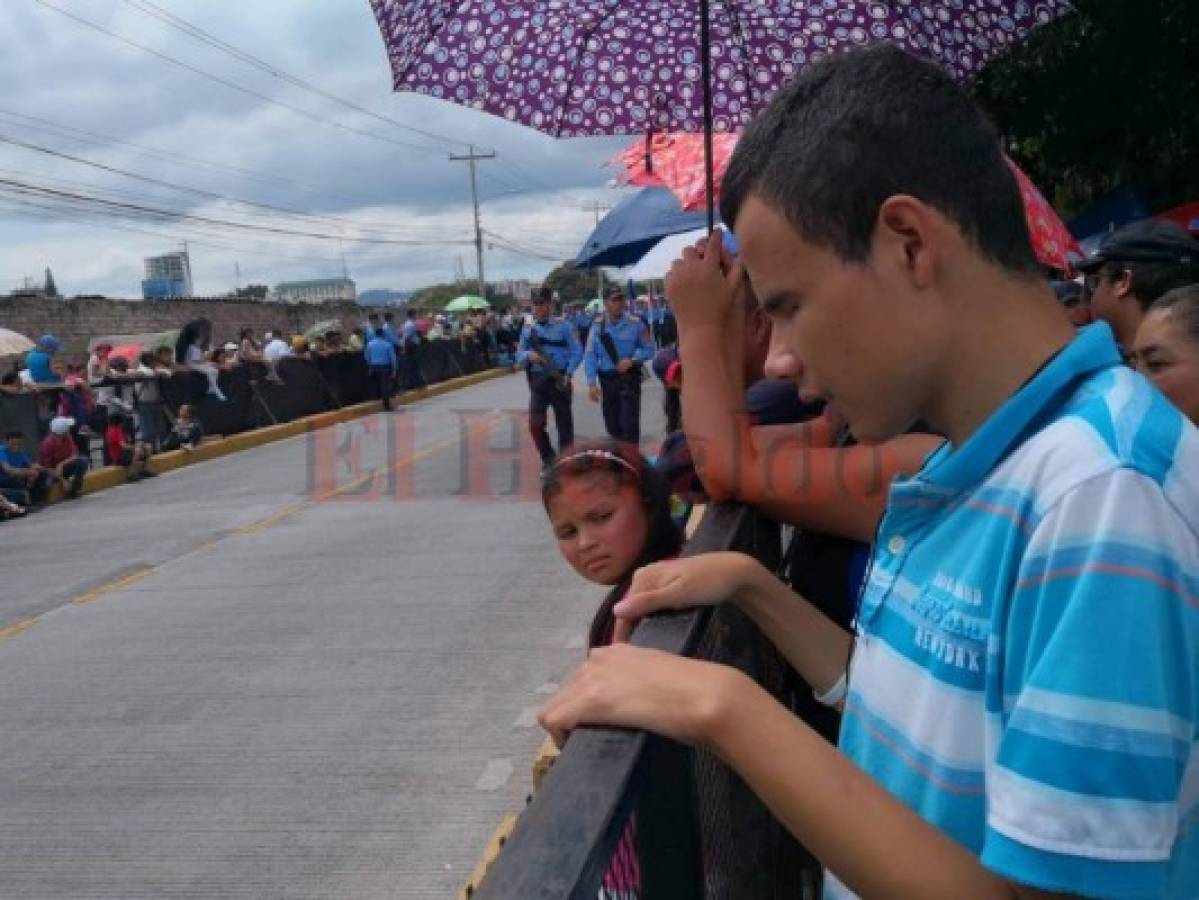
(227, 688)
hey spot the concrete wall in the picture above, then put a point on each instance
(74, 322)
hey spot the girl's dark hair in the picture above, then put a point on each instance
(626, 466)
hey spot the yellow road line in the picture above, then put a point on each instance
(114, 585)
(15, 628)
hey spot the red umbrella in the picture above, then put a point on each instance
(1186, 215)
(131, 352)
(676, 161)
(1051, 239)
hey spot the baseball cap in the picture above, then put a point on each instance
(61, 424)
(230, 346)
(49, 342)
(1149, 240)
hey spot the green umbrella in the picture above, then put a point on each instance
(465, 303)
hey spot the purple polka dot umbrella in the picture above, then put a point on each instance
(601, 67)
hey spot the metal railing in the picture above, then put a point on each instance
(701, 833)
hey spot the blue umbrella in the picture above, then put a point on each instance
(634, 225)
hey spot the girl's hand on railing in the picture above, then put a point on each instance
(622, 686)
(704, 580)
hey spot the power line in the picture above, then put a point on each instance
(95, 137)
(233, 85)
(512, 246)
(211, 195)
(27, 188)
(194, 31)
(37, 210)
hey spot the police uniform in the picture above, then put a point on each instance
(621, 393)
(558, 342)
(582, 321)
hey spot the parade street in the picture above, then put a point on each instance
(216, 685)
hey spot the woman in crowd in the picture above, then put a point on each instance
(194, 339)
(610, 513)
(1166, 349)
(97, 372)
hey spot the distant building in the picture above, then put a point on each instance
(167, 276)
(383, 297)
(318, 290)
(520, 288)
(251, 292)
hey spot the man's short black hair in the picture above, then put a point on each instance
(372, 317)
(14, 433)
(1150, 280)
(543, 295)
(859, 127)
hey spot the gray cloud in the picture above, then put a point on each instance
(534, 193)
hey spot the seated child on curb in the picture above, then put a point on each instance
(122, 452)
(186, 433)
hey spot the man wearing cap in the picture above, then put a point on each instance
(59, 455)
(38, 360)
(617, 347)
(551, 351)
(1135, 265)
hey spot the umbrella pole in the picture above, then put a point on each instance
(705, 52)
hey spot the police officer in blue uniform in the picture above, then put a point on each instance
(551, 351)
(582, 322)
(617, 347)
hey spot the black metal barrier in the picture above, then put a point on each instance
(701, 833)
(310, 385)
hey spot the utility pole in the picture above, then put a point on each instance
(471, 158)
(598, 208)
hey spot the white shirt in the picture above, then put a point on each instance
(276, 350)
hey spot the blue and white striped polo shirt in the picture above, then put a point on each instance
(1027, 669)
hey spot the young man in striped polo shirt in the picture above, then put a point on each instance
(1023, 686)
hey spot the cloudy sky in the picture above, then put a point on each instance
(72, 91)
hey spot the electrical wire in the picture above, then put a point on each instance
(233, 85)
(211, 195)
(152, 9)
(26, 188)
(95, 137)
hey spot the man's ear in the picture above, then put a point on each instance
(1122, 284)
(908, 234)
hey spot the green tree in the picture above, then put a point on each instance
(1104, 97)
(572, 283)
(436, 296)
